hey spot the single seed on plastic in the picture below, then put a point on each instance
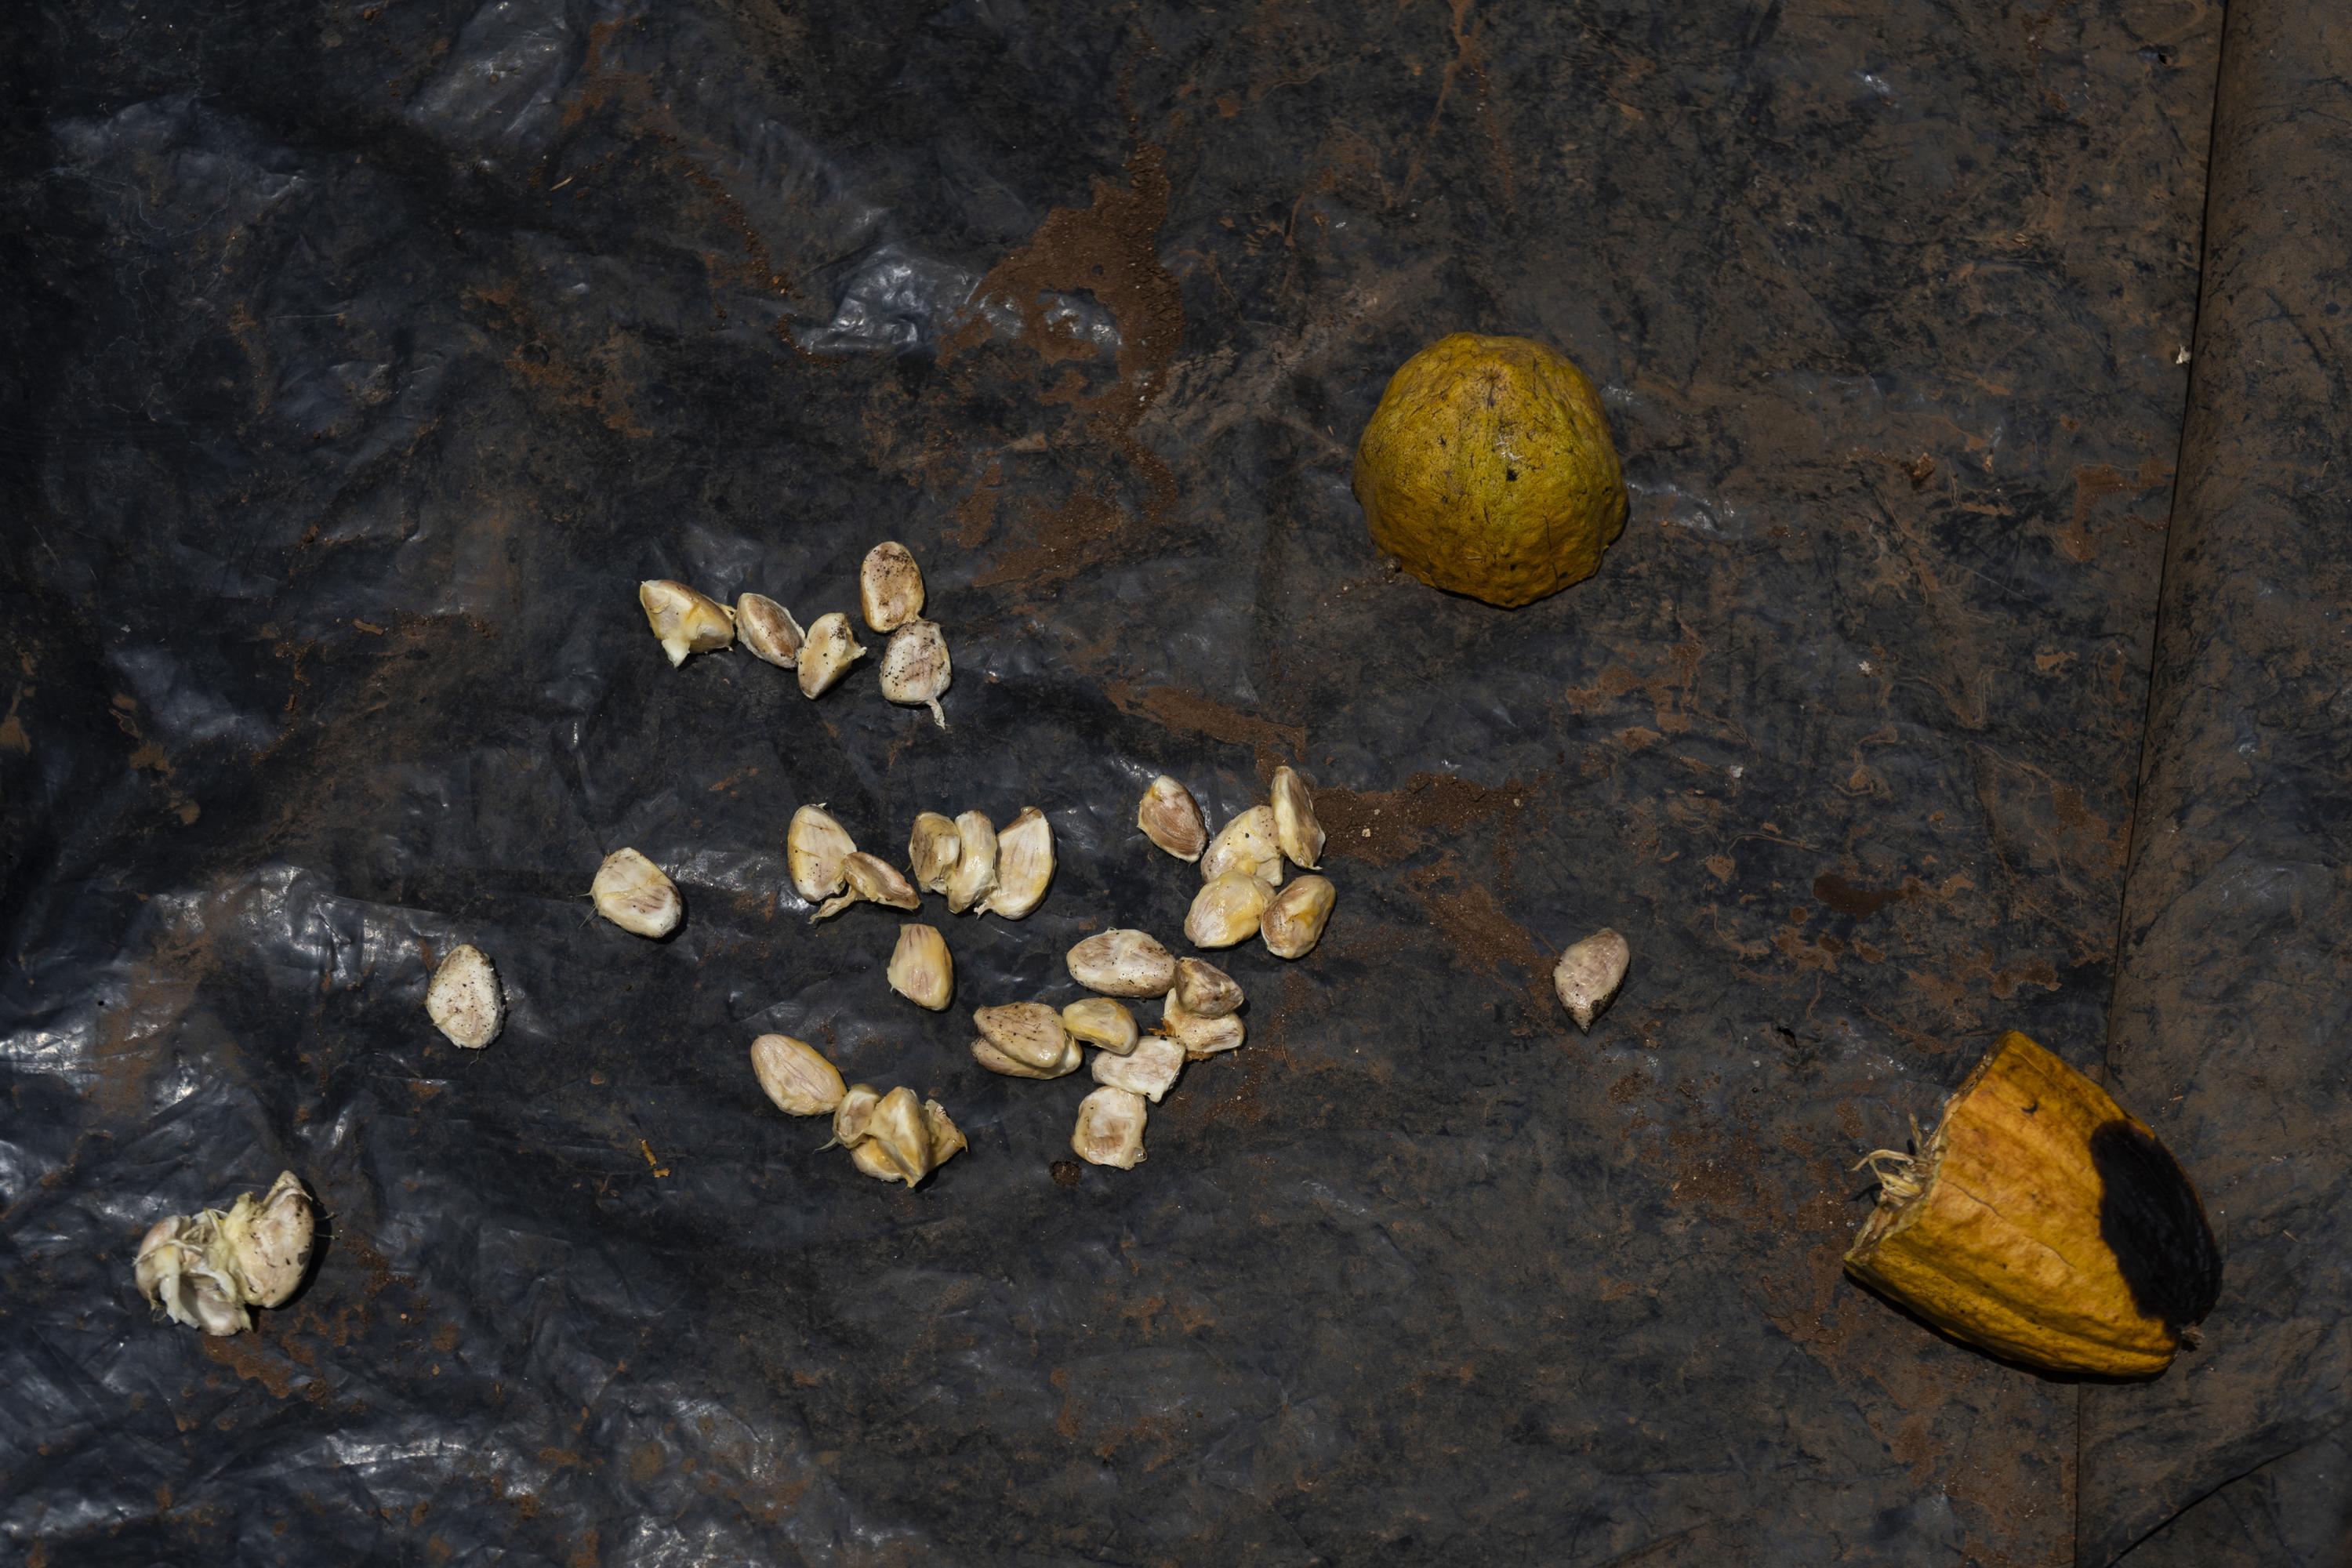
(916, 668)
(947, 1141)
(898, 1128)
(1589, 973)
(1148, 1070)
(464, 999)
(1028, 1032)
(1111, 1128)
(921, 969)
(1025, 864)
(269, 1240)
(1246, 844)
(1121, 962)
(1294, 826)
(684, 621)
(973, 876)
(1171, 818)
(1200, 1038)
(1099, 1021)
(767, 630)
(932, 850)
(632, 893)
(814, 848)
(796, 1076)
(874, 881)
(830, 649)
(1205, 991)
(890, 587)
(1295, 918)
(1226, 912)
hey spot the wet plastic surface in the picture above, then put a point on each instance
(377, 351)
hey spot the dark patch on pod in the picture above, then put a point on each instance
(2150, 1218)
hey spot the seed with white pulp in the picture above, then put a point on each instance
(871, 1159)
(1200, 1038)
(995, 1060)
(897, 1126)
(947, 1141)
(1099, 1021)
(1028, 1032)
(932, 850)
(767, 630)
(1246, 844)
(852, 1115)
(921, 969)
(814, 848)
(874, 881)
(1205, 991)
(1589, 973)
(1123, 964)
(1293, 920)
(1025, 864)
(830, 648)
(1171, 818)
(1227, 910)
(1111, 1128)
(1294, 826)
(268, 1239)
(464, 1000)
(1148, 1070)
(796, 1076)
(890, 587)
(973, 876)
(683, 620)
(183, 1268)
(630, 892)
(916, 667)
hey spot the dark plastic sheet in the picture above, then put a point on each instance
(366, 356)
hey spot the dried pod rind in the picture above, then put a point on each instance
(1171, 818)
(1123, 963)
(1148, 1070)
(1028, 1032)
(1226, 912)
(1204, 990)
(1295, 918)
(974, 876)
(464, 998)
(916, 668)
(636, 895)
(1025, 864)
(826, 654)
(1111, 1128)
(796, 1076)
(996, 1061)
(932, 850)
(1246, 844)
(767, 630)
(2042, 1221)
(921, 969)
(1296, 828)
(1588, 973)
(872, 880)
(684, 622)
(814, 848)
(890, 587)
(1099, 1021)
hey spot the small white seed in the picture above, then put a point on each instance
(1200, 1038)
(932, 850)
(767, 630)
(974, 875)
(1148, 1070)
(1111, 1128)
(1171, 818)
(898, 1129)
(1294, 918)
(1025, 864)
(1227, 910)
(994, 1060)
(1028, 1032)
(830, 649)
(632, 893)
(1294, 826)
(921, 969)
(1123, 964)
(464, 999)
(268, 1241)
(796, 1076)
(1099, 1021)
(916, 668)
(873, 880)
(1589, 973)
(1205, 991)
(1247, 844)
(890, 587)
(814, 848)
(946, 1141)
(684, 621)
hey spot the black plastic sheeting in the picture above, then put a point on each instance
(364, 358)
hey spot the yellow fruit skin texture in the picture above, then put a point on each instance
(1487, 470)
(2003, 1248)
